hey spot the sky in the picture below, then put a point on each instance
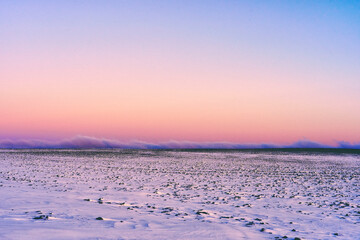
(240, 72)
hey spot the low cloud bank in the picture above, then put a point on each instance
(83, 142)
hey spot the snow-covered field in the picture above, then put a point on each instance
(130, 194)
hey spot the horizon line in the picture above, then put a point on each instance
(86, 142)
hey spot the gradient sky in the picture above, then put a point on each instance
(235, 71)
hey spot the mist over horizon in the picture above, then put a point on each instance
(86, 142)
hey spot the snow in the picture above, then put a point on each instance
(142, 194)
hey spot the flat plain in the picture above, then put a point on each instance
(158, 194)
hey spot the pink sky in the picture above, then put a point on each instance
(168, 78)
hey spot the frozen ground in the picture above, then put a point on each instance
(126, 194)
